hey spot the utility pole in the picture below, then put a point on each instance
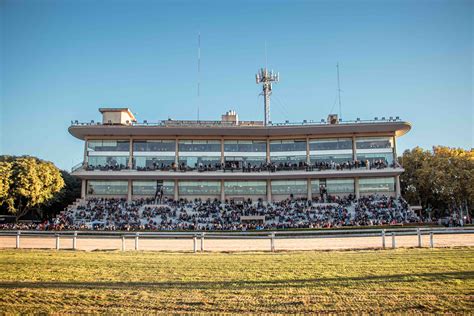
(266, 78)
(339, 91)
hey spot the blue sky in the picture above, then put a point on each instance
(62, 60)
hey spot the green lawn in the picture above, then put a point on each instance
(402, 280)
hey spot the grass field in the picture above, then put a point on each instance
(402, 280)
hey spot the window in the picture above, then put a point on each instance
(245, 187)
(154, 146)
(199, 146)
(245, 146)
(374, 142)
(199, 187)
(97, 187)
(386, 157)
(330, 144)
(108, 145)
(149, 187)
(287, 187)
(331, 158)
(287, 145)
(369, 185)
(109, 162)
(152, 163)
(340, 186)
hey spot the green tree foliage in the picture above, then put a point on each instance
(68, 194)
(442, 179)
(27, 182)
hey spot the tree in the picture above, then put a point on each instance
(441, 179)
(28, 182)
(68, 194)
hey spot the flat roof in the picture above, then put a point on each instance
(397, 128)
(129, 112)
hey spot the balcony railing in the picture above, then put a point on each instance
(194, 123)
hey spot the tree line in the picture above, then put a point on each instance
(440, 180)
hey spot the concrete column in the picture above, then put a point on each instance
(176, 193)
(310, 193)
(85, 161)
(397, 186)
(130, 151)
(222, 191)
(268, 150)
(83, 188)
(354, 149)
(129, 196)
(308, 160)
(395, 150)
(222, 150)
(176, 152)
(269, 190)
(356, 188)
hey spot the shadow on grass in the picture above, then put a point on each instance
(242, 284)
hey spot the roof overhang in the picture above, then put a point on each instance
(393, 128)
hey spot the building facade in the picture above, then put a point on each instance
(232, 159)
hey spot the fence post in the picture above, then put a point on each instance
(123, 242)
(136, 240)
(419, 237)
(431, 240)
(202, 241)
(393, 240)
(57, 241)
(194, 243)
(272, 242)
(18, 233)
(383, 238)
(74, 241)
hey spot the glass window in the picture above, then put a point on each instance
(315, 186)
(108, 162)
(287, 159)
(253, 161)
(199, 187)
(194, 161)
(245, 187)
(149, 187)
(108, 145)
(369, 185)
(154, 145)
(153, 163)
(331, 158)
(372, 157)
(374, 142)
(287, 187)
(330, 144)
(199, 146)
(340, 186)
(287, 145)
(245, 146)
(99, 187)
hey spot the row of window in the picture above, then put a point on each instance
(245, 188)
(239, 145)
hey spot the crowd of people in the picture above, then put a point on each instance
(168, 214)
(243, 166)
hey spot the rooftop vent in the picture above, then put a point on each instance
(231, 116)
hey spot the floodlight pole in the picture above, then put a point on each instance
(266, 78)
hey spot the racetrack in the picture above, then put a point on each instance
(235, 244)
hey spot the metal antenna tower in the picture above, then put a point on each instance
(266, 78)
(199, 74)
(339, 90)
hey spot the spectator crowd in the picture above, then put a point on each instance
(168, 214)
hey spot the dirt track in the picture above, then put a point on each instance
(89, 244)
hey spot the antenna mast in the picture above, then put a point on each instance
(266, 78)
(339, 90)
(199, 74)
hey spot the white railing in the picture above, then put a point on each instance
(384, 234)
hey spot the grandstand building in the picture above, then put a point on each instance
(233, 159)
